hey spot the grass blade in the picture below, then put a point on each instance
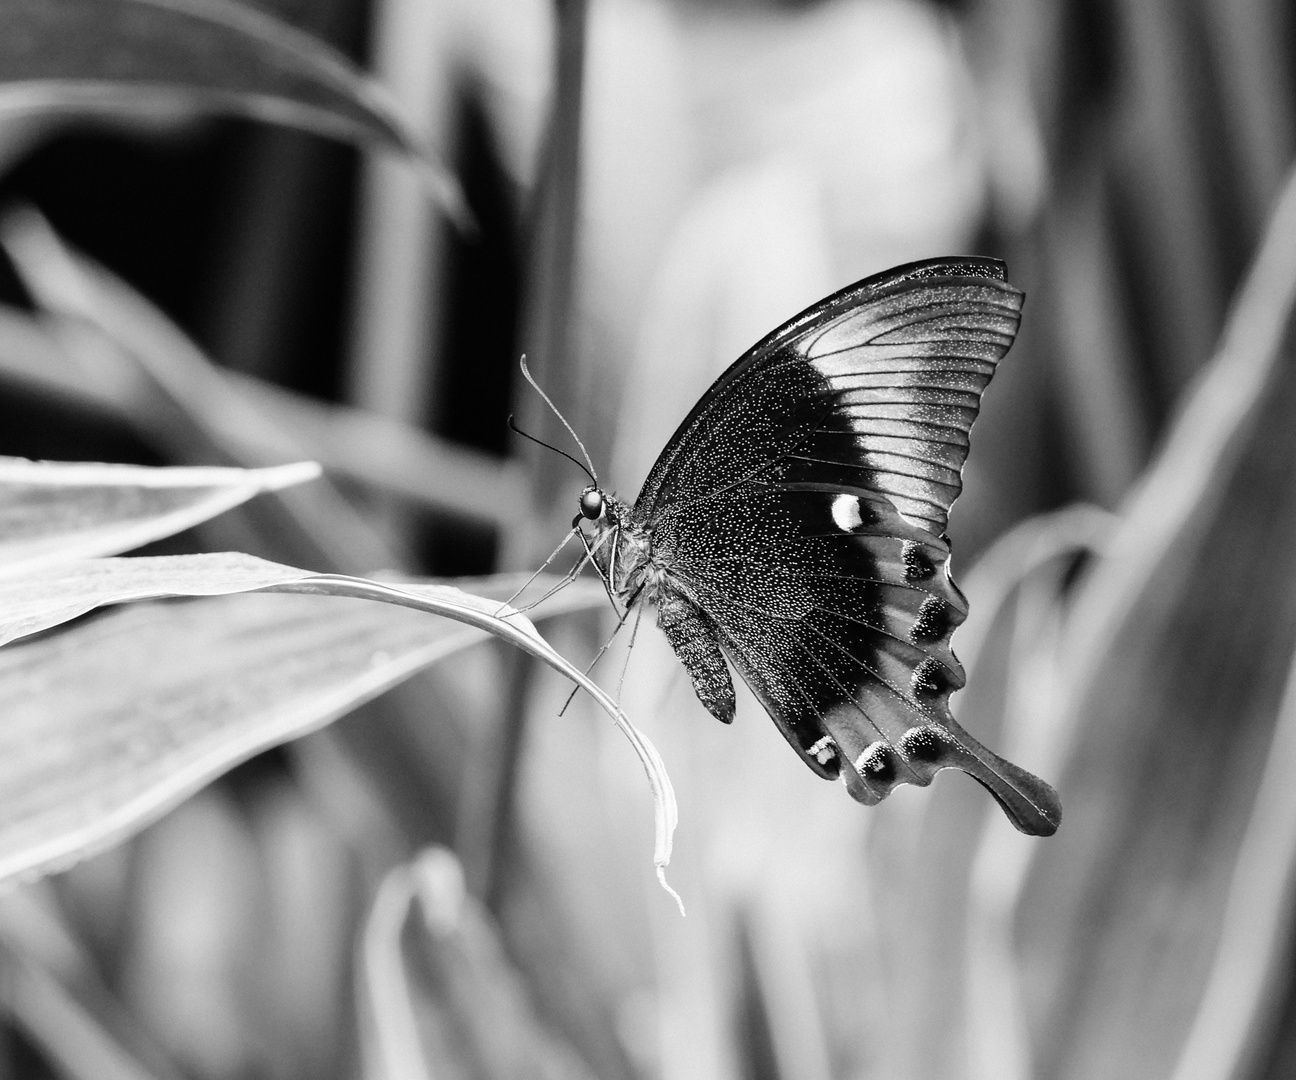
(52, 512)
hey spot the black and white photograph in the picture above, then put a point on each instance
(647, 540)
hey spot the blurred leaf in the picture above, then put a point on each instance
(930, 862)
(1247, 983)
(188, 969)
(1180, 646)
(30, 352)
(1256, 80)
(389, 1027)
(387, 455)
(310, 907)
(127, 750)
(1092, 346)
(151, 57)
(136, 353)
(252, 421)
(59, 1025)
(54, 994)
(777, 968)
(440, 997)
(54, 512)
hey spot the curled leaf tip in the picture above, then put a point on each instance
(661, 877)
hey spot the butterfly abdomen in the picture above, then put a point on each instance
(696, 642)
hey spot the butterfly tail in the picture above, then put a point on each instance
(1031, 804)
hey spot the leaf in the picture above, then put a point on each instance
(933, 863)
(111, 723)
(140, 57)
(60, 593)
(62, 1027)
(442, 990)
(253, 421)
(177, 401)
(54, 512)
(1181, 642)
(1249, 978)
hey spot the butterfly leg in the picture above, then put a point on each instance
(590, 549)
(568, 578)
(634, 633)
(607, 645)
(612, 564)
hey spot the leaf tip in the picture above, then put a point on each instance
(282, 476)
(661, 878)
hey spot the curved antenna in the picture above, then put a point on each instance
(550, 446)
(536, 387)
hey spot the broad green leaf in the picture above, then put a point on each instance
(109, 724)
(53, 511)
(144, 57)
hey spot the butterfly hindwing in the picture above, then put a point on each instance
(801, 506)
(835, 595)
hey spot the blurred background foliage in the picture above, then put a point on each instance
(655, 184)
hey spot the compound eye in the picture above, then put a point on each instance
(591, 503)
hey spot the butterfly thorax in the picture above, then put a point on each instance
(623, 553)
(637, 571)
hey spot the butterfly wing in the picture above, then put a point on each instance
(802, 504)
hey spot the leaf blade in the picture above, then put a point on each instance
(53, 512)
(141, 56)
(38, 603)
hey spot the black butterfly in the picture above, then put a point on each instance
(795, 525)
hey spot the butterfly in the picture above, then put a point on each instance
(794, 529)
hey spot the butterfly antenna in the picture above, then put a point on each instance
(526, 372)
(550, 446)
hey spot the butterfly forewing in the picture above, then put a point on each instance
(892, 369)
(802, 505)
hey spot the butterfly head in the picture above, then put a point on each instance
(592, 504)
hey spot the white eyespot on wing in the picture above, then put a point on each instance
(846, 512)
(822, 751)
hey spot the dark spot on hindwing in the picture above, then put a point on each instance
(927, 681)
(917, 563)
(932, 622)
(922, 744)
(877, 763)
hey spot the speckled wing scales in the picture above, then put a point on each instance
(906, 371)
(890, 370)
(801, 508)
